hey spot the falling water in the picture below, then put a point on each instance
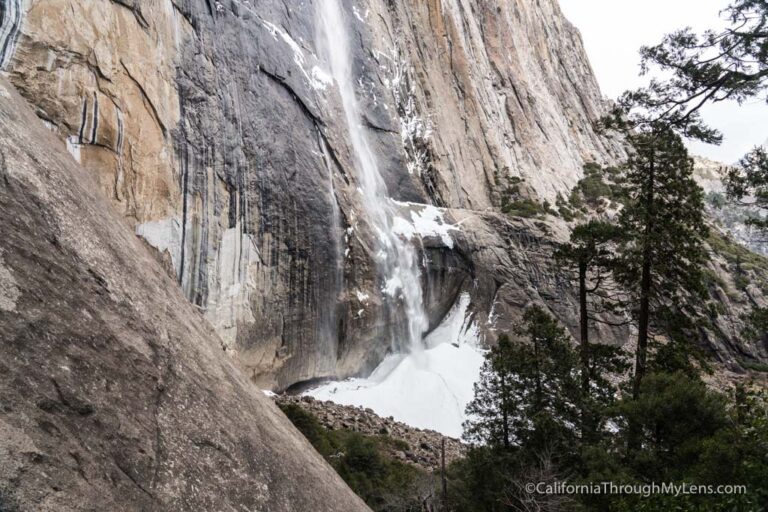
(397, 260)
(337, 271)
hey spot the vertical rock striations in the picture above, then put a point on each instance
(506, 89)
(115, 392)
(217, 130)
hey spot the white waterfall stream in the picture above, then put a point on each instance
(425, 382)
(397, 260)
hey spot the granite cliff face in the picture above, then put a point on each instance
(216, 129)
(218, 132)
(114, 391)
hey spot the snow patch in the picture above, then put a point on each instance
(426, 220)
(357, 14)
(415, 130)
(392, 286)
(320, 79)
(317, 78)
(427, 388)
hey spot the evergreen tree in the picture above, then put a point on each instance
(673, 415)
(589, 256)
(661, 251)
(747, 184)
(527, 392)
(718, 65)
(529, 396)
(690, 433)
(546, 385)
(493, 406)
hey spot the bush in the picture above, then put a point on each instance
(592, 189)
(564, 209)
(755, 366)
(715, 199)
(735, 253)
(523, 208)
(383, 483)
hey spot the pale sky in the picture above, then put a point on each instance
(614, 30)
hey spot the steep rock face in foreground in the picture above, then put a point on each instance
(115, 393)
(215, 127)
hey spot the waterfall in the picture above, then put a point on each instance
(397, 259)
(330, 347)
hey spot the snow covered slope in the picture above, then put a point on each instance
(428, 388)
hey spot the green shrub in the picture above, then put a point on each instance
(594, 189)
(755, 365)
(598, 185)
(715, 199)
(734, 252)
(385, 484)
(564, 209)
(523, 208)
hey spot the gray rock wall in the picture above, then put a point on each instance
(215, 129)
(115, 393)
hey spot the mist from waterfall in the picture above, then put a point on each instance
(397, 259)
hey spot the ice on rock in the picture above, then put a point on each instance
(164, 235)
(357, 14)
(456, 328)
(392, 285)
(426, 220)
(427, 388)
(429, 385)
(318, 79)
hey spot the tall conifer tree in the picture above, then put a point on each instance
(661, 251)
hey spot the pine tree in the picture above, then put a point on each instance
(493, 407)
(525, 415)
(546, 384)
(527, 392)
(725, 64)
(589, 256)
(747, 184)
(661, 252)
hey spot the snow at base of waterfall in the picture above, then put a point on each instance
(428, 388)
